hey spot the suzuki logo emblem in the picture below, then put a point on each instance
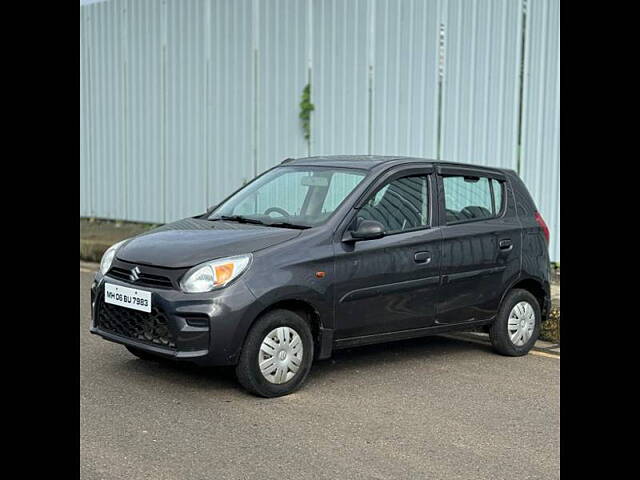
(135, 274)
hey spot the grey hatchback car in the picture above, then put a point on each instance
(322, 253)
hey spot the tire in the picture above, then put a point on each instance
(143, 355)
(298, 354)
(505, 327)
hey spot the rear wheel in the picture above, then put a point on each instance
(277, 354)
(517, 325)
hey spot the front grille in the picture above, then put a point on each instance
(144, 279)
(151, 328)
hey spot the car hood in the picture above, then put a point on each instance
(191, 241)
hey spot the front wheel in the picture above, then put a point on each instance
(277, 354)
(517, 325)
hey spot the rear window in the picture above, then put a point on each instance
(470, 198)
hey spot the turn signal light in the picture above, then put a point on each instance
(223, 273)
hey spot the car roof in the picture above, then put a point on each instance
(368, 162)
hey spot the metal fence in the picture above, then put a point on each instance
(181, 101)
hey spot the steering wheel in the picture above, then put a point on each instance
(281, 211)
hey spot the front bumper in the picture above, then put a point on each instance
(206, 329)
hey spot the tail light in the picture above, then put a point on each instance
(543, 225)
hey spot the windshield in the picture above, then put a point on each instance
(291, 196)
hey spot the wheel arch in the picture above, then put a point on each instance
(322, 336)
(536, 288)
(303, 308)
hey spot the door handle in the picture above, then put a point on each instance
(422, 257)
(505, 244)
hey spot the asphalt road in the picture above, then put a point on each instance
(432, 408)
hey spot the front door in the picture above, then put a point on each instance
(391, 283)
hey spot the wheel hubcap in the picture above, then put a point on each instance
(280, 355)
(522, 321)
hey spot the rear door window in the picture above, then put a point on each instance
(471, 198)
(497, 188)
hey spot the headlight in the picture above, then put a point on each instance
(109, 255)
(215, 274)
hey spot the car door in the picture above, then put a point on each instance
(390, 283)
(481, 243)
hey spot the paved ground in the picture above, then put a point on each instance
(433, 408)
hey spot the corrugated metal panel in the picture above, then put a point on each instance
(405, 78)
(185, 179)
(481, 82)
(106, 109)
(541, 115)
(340, 77)
(85, 129)
(183, 101)
(144, 119)
(282, 74)
(230, 132)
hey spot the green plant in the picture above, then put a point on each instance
(306, 107)
(550, 330)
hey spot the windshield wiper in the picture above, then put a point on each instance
(241, 219)
(287, 225)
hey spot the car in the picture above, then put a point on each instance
(332, 252)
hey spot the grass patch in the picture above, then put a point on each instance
(97, 235)
(550, 330)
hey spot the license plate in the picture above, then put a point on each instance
(127, 297)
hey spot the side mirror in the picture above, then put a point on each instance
(368, 230)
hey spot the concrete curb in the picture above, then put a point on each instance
(483, 338)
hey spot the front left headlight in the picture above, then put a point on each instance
(215, 274)
(109, 255)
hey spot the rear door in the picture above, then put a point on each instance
(391, 283)
(481, 243)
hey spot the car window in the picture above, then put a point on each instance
(400, 205)
(468, 198)
(342, 183)
(498, 188)
(284, 193)
(304, 196)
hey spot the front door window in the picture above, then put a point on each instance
(401, 205)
